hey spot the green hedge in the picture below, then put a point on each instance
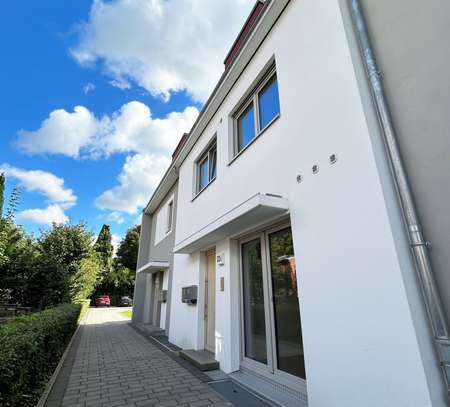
(30, 349)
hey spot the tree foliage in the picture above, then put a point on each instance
(2, 193)
(63, 264)
(103, 246)
(84, 280)
(119, 280)
(56, 277)
(60, 266)
(128, 249)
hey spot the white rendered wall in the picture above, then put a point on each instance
(165, 284)
(185, 320)
(359, 340)
(161, 221)
(227, 308)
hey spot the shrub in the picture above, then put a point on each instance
(30, 349)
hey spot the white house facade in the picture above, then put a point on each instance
(290, 261)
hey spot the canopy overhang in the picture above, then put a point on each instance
(253, 211)
(154, 266)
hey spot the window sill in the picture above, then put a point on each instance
(206, 186)
(254, 139)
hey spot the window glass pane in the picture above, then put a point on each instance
(288, 330)
(269, 103)
(246, 127)
(253, 296)
(203, 174)
(169, 216)
(213, 162)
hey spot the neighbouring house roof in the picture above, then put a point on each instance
(249, 24)
(179, 146)
(235, 54)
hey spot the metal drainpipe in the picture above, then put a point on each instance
(418, 244)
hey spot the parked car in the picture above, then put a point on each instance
(125, 301)
(103, 300)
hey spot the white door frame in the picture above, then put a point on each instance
(208, 314)
(270, 370)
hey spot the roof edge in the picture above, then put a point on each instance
(279, 6)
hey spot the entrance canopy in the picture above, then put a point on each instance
(153, 267)
(255, 210)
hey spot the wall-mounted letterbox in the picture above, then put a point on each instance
(163, 296)
(189, 295)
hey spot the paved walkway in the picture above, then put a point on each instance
(115, 366)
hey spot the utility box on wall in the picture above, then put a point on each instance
(189, 295)
(163, 296)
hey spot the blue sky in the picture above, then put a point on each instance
(139, 73)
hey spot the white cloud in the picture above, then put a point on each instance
(162, 46)
(45, 183)
(114, 216)
(52, 214)
(149, 143)
(131, 129)
(61, 133)
(58, 197)
(89, 87)
(115, 241)
(140, 175)
(120, 83)
(138, 219)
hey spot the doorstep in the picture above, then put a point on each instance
(270, 390)
(201, 359)
(158, 335)
(148, 329)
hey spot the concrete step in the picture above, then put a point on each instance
(202, 359)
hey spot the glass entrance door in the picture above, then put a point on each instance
(271, 315)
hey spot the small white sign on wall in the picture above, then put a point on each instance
(220, 259)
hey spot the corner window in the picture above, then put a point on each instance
(169, 216)
(258, 112)
(206, 167)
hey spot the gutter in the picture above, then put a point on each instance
(419, 246)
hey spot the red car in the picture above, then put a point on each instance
(103, 300)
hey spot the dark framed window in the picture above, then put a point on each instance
(206, 167)
(258, 112)
(169, 216)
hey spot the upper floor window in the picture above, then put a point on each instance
(258, 112)
(169, 216)
(206, 167)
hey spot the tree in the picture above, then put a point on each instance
(83, 282)
(62, 250)
(60, 266)
(104, 247)
(120, 279)
(17, 250)
(2, 193)
(128, 249)
(19, 255)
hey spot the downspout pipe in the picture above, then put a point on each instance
(419, 246)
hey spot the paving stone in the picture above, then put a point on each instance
(116, 367)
